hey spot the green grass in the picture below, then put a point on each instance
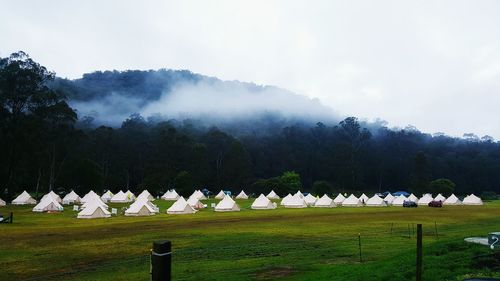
(287, 244)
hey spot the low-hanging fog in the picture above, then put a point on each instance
(158, 96)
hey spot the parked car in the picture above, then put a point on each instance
(436, 204)
(409, 204)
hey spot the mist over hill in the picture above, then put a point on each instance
(110, 97)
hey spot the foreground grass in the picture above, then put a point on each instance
(291, 244)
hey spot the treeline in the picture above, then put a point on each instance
(44, 147)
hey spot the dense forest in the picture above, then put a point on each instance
(45, 145)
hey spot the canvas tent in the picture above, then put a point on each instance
(194, 202)
(181, 207)
(170, 195)
(413, 198)
(54, 196)
(285, 199)
(352, 201)
(220, 195)
(140, 208)
(325, 202)
(389, 198)
(440, 197)
(273, 195)
(48, 204)
(363, 198)
(426, 199)
(339, 199)
(452, 200)
(376, 201)
(94, 211)
(107, 196)
(91, 195)
(24, 199)
(263, 203)
(227, 204)
(145, 195)
(310, 199)
(398, 201)
(242, 195)
(198, 195)
(130, 196)
(295, 202)
(2, 203)
(120, 197)
(472, 200)
(299, 194)
(71, 198)
(95, 200)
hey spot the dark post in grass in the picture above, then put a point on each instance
(11, 217)
(436, 230)
(419, 252)
(359, 243)
(161, 261)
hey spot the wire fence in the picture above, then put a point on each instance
(353, 248)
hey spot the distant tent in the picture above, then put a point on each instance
(94, 200)
(220, 195)
(325, 202)
(310, 199)
(24, 199)
(242, 195)
(194, 202)
(339, 199)
(472, 200)
(91, 195)
(295, 202)
(145, 195)
(170, 195)
(389, 198)
(440, 197)
(140, 208)
(452, 200)
(53, 195)
(130, 196)
(227, 205)
(263, 203)
(426, 199)
(107, 196)
(2, 203)
(300, 194)
(376, 201)
(285, 199)
(352, 201)
(200, 195)
(413, 198)
(94, 211)
(48, 204)
(397, 193)
(273, 195)
(398, 201)
(71, 198)
(180, 207)
(363, 198)
(119, 197)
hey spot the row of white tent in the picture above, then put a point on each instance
(143, 205)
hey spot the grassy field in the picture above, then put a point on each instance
(287, 244)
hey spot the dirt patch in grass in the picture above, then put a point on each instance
(274, 273)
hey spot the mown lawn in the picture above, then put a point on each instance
(287, 244)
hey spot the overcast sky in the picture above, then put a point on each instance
(431, 64)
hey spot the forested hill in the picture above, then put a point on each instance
(110, 97)
(45, 145)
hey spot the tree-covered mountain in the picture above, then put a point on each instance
(45, 146)
(109, 97)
